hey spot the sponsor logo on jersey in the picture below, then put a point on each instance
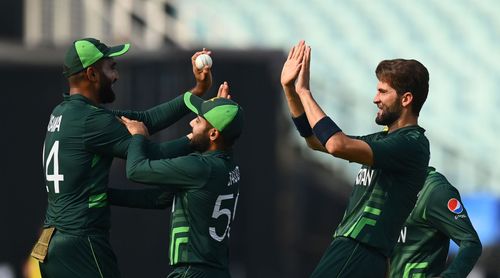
(455, 206)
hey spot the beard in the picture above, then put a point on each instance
(200, 142)
(106, 92)
(390, 115)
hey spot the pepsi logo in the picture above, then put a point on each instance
(455, 206)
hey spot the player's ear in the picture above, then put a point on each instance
(406, 99)
(213, 134)
(91, 73)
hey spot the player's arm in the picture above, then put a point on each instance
(456, 226)
(105, 134)
(151, 198)
(177, 173)
(326, 131)
(164, 115)
(289, 75)
(170, 149)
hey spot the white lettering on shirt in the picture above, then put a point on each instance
(364, 177)
(402, 235)
(234, 176)
(54, 123)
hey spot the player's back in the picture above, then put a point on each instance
(201, 217)
(424, 240)
(76, 177)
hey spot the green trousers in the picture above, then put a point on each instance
(79, 256)
(198, 271)
(346, 257)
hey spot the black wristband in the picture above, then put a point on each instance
(302, 125)
(324, 129)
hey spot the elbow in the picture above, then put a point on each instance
(334, 147)
(131, 173)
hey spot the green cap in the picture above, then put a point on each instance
(222, 113)
(85, 52)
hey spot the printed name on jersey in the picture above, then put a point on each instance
(402, 235)
(455, 206)
(54, 123)
(364, 177)
(234, 176)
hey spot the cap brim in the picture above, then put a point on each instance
(118, 50)
(193, 102)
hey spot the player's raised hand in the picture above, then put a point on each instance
(293, 64)
(224, 91)
(135, 127)
(302, 84)
(203, 76)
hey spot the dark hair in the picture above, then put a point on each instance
(406, 76)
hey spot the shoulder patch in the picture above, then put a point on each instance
(455, 206)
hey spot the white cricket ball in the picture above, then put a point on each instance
(202, 61)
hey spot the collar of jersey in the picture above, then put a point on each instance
(218, 153)
(421, 129)
(68, 97)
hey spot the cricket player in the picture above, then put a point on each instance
(82, 139)
(206, 185)
(394, 162)
(424, 241)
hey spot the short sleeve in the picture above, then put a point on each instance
(398, 152)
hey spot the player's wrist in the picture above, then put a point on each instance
(303, 92)
(302, 125)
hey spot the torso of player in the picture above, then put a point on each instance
(201, 218)
(76, 179)
(380, 202)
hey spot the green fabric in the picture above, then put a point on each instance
(197, 271)
(149, 198)
(346, 257)
(206, 191)
(222, 113)
(83, 139)
(79, 147)
(98, 200)
(120, 51)
(384, 194)
(87, 52)
(79, 257)
(220, 116)
(425, 240)
(189, 103)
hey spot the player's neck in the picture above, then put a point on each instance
(406, 119)
(84, 92)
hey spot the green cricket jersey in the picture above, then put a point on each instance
(80, 144)
(207, 190)
(385, 193)
(425, 237)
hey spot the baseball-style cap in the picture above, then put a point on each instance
(85, 52)
(222, 113)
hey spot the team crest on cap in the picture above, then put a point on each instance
(455, 206)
